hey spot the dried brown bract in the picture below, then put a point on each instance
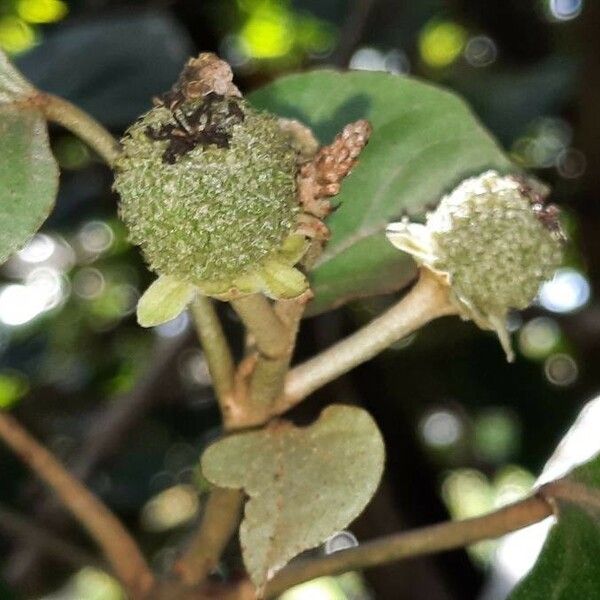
(546, 213)
(202, 75)
(321, 178)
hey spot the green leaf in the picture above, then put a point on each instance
(28, 171)
(569, 566)
(304, 484)
(28, 177)
(165, 299)
(425, 141)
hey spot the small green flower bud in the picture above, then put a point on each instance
(493, 240)
(208, 191)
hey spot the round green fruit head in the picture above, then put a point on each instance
(208, 192)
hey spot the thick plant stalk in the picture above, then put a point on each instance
(118, 546)
(260, 319)
(435, 538)
(427, 301)
(59, 110)
(267, 381)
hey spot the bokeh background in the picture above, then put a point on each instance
(130, 410)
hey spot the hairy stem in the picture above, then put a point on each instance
(435, 538)
(61, 111)
(216, 350)
(118, 546)
(427, 300)
(218, 524)
(269, 374)
(223, 506)
(262, 322)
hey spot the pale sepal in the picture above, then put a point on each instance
(165, 299)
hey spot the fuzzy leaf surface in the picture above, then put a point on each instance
(425, 141)
(28, 177)
(28, 171)
(304, 484)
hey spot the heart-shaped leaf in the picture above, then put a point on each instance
(425, 141)
(569, 566)
(28, 171)
(304, 483)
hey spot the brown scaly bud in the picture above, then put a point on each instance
(201, 76)
(321, 178)
(208, 73)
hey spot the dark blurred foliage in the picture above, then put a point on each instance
(130, 410)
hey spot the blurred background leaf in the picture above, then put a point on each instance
(110, 66)
(424, 142)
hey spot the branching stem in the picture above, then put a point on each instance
(435, 538)
(61, 111)
(427, 300)
(118, 546)
(223, 506)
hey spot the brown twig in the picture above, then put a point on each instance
(218, 524)
(118, 546)
(435, 538)
(108, 433)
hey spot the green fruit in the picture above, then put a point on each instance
(493, 241)
(208, 191)
(495, 249)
